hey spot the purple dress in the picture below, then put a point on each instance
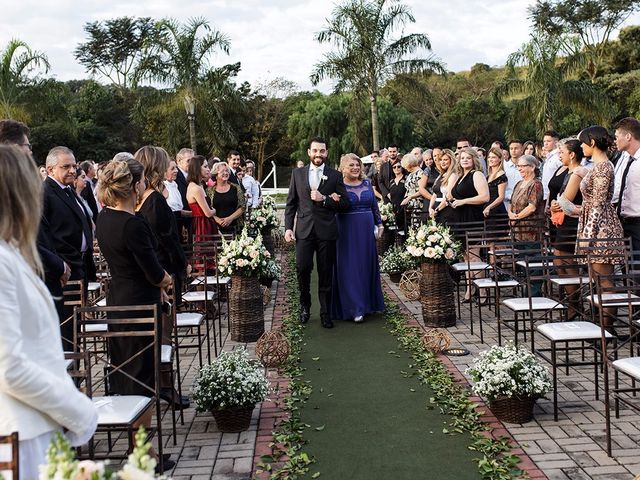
(356, 288)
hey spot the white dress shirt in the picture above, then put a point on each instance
(315, 176)
(513, 177)
(252, 190)
(630, 201)
(551, 164)
(174, 200)
(618, 170)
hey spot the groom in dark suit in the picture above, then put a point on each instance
(312, 204)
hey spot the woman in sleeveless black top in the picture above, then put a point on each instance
(555, 184)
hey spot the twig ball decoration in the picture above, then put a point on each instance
(436, 340)
(266, 295)
(272, 348)
(410, 284)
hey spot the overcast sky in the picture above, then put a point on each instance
(272, 38)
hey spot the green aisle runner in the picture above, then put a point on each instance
(368, 420)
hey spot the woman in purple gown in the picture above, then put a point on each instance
(356, 289)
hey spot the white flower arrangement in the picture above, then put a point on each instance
(265, 216)
(509, 371)
(397, 260)
(230, 381)
(271, 271)
(62, 464)
(433, 243)
(244, 256)
(387, 215)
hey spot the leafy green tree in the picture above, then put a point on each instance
(592, 21)
(17, 63)
(120, 49)
(365, 54)
(183, 64)
(623, 54)
(540, 83)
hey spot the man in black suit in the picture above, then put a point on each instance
(182, 160)
(56, 271)
(386, 174)
(233, 159)
(68, 223)
(89, 191)
(312, 204)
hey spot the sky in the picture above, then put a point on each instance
(273, 38)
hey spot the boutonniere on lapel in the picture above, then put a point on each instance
(323, 178)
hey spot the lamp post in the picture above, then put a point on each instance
(190, 108)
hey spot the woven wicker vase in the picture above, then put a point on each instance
(246, 314)
(513, 409)
(437, 295)
(267, 241)
(233, 419)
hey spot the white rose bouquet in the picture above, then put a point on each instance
(433, 243)
(387, 215)
(244, 256)
(265, 216)
(230, 381)
(509, 371)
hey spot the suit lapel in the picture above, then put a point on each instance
(75, 208)
(305, 180)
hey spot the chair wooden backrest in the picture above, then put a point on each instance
(12, 465)
(74, 295)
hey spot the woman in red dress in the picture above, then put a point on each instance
(203, 223)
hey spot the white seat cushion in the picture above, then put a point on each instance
(623, 297)
(559, 331)
(165, 353)
(211, 280)
(102, 302)
(562, 281)
(630, 366)
(95, 327)
(93, 286)
(491, 283)
(102, 274)
(189, 319)
(120, 409)
(537, 303)
(523, 263)
(470, 267)
(197, 296)
(503, 251)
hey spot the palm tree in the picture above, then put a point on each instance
(365, 54)
(17, 62)
(184, 61)
(548, 84)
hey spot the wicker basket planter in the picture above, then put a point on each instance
(268, 241)
(437, 295)
(246, 314)
(513, 409)
(233, 419)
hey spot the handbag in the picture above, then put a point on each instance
(557, 218)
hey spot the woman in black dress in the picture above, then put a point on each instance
(439, 207)
(227, 200)
(497, 181)
(156, 211)
(137, 278)
(555, 184)
(397, 191)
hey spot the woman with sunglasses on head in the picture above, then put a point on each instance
(398, 191)
(439, 208)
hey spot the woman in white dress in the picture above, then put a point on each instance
(37, 396)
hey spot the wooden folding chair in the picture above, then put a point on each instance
(12, 465)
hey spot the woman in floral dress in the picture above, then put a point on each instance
(598, 219)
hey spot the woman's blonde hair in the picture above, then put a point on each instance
(116, 181)
(216, 168)
(20, 203)
(346, 158)
(477, 165)
(409, 160)
(454, 166)
(498, 153)
(155, 161)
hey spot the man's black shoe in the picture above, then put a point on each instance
(169, 395)
(326, 322)
(304, 315)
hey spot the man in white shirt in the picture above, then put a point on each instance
(552, 162)
(628, 199)
(250, 184)
(511, 170)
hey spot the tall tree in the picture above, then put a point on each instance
(17, 63)
(540, 83)
(119, 49)
(184, 61)
(592, 21)
(365, 54)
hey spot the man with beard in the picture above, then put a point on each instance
(386, 173)
(312, 205)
